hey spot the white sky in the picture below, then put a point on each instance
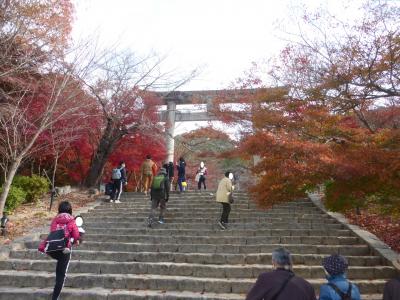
(220, 37)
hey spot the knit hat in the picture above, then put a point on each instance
(335, 264)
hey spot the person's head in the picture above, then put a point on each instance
(281, 258)
(148, 156)
(171, 163)
(65, 207)
(162, 171)
(181, 159)
(201, 164)
(229, 174)
(122, 164)
(165, 165)
(335, 264)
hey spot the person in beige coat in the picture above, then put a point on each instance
(225, 188)
(147, 171)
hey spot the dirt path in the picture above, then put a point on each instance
(30, 215)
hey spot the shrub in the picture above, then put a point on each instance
(16, 197)
(34, 186)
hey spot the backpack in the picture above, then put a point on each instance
(56, 241)
(116, 173)
(158, 183)
(109, 189)
(342, 295)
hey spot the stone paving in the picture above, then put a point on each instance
(190, 257)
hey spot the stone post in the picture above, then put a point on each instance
(170, 129)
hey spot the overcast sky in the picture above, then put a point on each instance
(220, 37)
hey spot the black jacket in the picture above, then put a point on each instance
(392, 289)
(269, 283)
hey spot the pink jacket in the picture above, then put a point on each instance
(63, 221)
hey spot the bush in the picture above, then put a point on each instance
(16, 197)
(34, 186)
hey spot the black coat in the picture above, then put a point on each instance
(392, 289)
(269, 283)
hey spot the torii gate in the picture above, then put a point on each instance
(172, 115)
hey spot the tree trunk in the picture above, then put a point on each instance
(53, 177)
(7, 183)
(107, 144)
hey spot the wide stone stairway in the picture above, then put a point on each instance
(190, 257)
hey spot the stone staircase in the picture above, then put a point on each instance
(189, 257)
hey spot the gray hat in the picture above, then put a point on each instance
(163, 171)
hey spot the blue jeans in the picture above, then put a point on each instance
(180, 180)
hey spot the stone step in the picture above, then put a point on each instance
(244, 240)
(198, 205)
(211, 219)
(223, 248)
(195, 258)
(155, 282)
(7, 293)
(160, 230)
(187, 269)
(190, 257)
(178, 214)
(213, 224)
(200, 210)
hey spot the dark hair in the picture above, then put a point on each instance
(121, 162)
(65, 207)
(181, 159)
(148, 156)
(227, 173)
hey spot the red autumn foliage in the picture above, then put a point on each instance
(332, 118)
(385, 228)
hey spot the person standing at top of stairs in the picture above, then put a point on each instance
(119, 180)
(201, 176)
(181, 167)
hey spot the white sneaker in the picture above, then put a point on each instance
(117, 201)
(111, 201)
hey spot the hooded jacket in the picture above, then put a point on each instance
(67, 222)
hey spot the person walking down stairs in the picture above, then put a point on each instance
(224, 196)
(338, 286)
(281, 283)
(159, 195)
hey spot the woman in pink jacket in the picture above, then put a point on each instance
(64, 220)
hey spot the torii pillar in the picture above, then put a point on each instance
(170, 130)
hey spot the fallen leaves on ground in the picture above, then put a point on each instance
(35, 215)
(386, 228)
